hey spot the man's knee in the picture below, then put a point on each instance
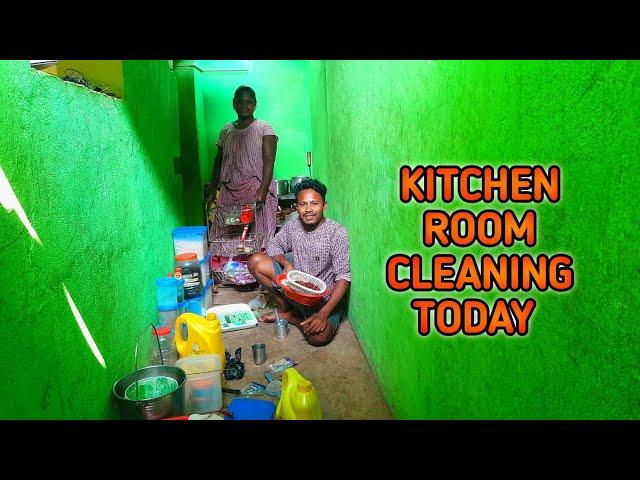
(259, 263)
(322, 339)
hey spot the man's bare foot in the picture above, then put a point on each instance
(271, 316)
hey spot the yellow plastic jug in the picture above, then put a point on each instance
(299, 399)
(196, 335)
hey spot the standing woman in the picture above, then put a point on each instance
(243, 167)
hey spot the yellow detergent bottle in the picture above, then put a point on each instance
(196, 335)
(299, 399)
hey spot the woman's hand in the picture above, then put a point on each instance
(260, 199)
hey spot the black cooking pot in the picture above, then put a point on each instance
(282, 187)
(296, 180)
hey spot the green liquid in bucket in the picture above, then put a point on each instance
(152, 387)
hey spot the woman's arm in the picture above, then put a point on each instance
(269, 147)
(217, 167)
(212, 189)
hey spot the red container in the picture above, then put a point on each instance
(247, 215)
(301, 298)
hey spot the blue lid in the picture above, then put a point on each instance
(251, 409)
(167, 282)
(196, 228)
(168, 307)
(189, 231)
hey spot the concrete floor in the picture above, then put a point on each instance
(346, 386)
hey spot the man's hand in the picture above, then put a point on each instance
(287, 267)
(315, 324)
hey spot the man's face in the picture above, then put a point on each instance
(244, 106)
(310, 207)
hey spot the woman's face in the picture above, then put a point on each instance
(244, 106)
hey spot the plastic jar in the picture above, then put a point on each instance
(191, 273)
(167, 315)
(167, 291)
(167, 346)
(203, 388)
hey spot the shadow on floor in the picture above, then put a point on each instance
(346, 386)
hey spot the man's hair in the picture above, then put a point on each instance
(313, 185)
(242, 90)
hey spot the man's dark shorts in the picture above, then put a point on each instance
(304, 310)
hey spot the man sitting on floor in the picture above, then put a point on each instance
(320, 248)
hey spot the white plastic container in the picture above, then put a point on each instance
(235, 316)
(191, 239)
(203, 388)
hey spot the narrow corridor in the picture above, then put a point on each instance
(346, 386)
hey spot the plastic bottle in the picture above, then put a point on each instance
(178, 276)
(196, 335)
(299, 399)
(167, 346)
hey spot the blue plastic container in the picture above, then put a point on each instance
(205, 268)
(167, 291)
(251, 409)
(199, 305)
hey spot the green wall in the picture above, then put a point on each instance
(194, 160)
(95, 178)
(316, 74)
(580, 359)
(282, 90)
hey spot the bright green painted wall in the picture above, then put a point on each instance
(192, 143)
(316, 75)
(282, 90)
(95, 178)
(580, 359)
